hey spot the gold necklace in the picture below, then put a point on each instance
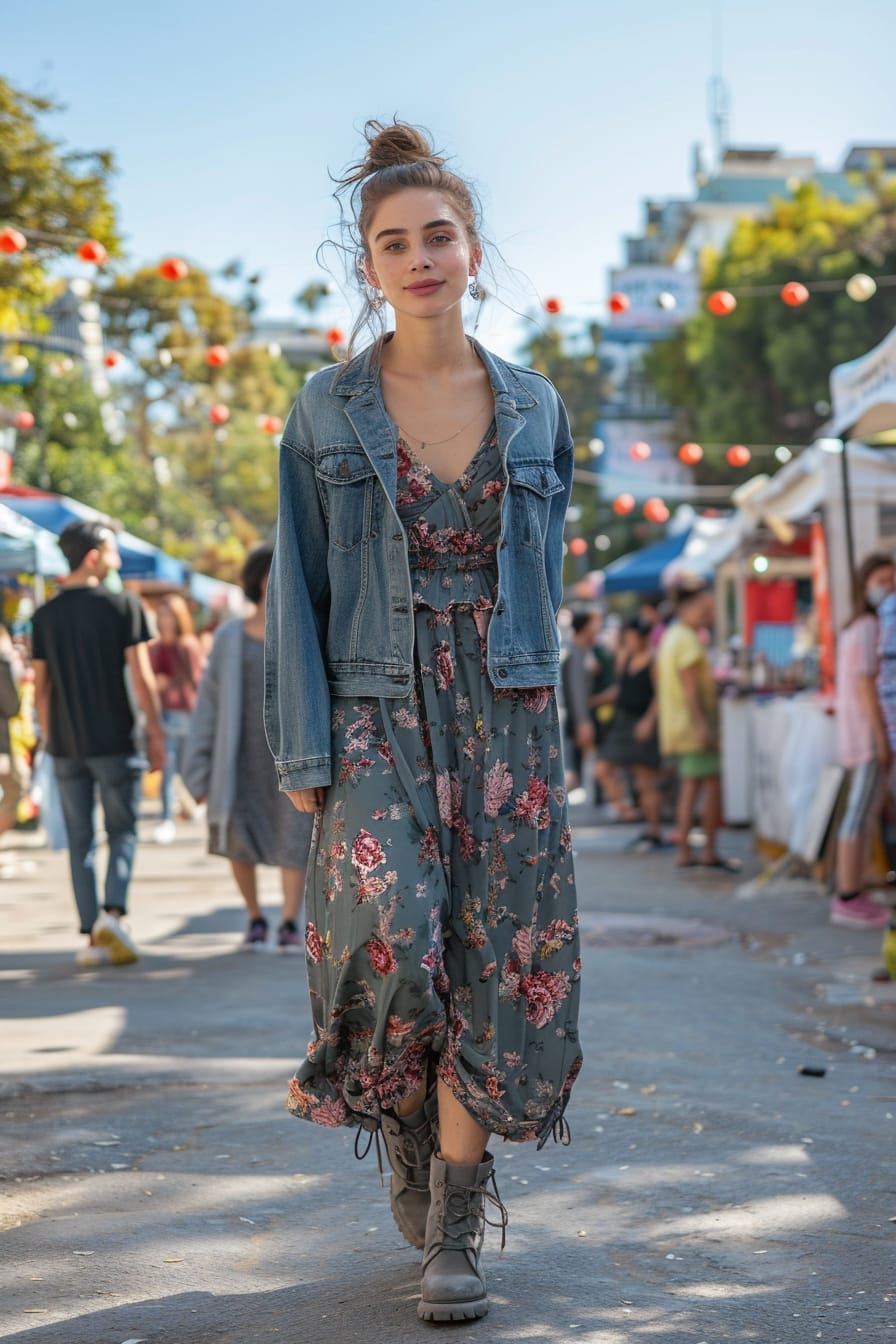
(437, 443)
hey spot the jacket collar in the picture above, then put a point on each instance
(361, 374)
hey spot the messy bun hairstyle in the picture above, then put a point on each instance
(398, 156)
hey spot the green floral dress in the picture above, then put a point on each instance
(441, 898)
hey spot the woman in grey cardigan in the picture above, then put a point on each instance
(228, 765)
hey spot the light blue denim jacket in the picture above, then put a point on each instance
(339, 607)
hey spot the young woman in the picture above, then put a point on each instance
(632, 742)
(412, 654)
(177, 661)
(864, 744)
(228, 765)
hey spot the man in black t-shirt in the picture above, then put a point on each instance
(84, 640)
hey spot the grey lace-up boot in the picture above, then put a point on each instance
(453, 1286)
(410, 1143)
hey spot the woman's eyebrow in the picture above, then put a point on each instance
(433, 224)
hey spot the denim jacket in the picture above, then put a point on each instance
(339, 607)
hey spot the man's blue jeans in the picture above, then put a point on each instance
(120, 782)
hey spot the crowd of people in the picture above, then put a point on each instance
(95, 657)
(642, 707)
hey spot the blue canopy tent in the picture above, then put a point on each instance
(27, 549)
(139, 559)
(642, 571)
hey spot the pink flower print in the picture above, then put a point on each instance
(466, 837)
(332, 1112)
(367, 852)
(536, 699)
(314, 944)
(492, 488)
(448, 796)
(494, 1089)
(444, 666)
(381, 957)
(403, 458)
(543, 991)
(397, 1029)
(487, 972)
(532, 804)
(429, 847)
(522, 945)
(370, 887)
(498, 788)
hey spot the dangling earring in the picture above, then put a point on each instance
(475, 289)
(377, 301)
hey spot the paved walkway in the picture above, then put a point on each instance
(156, 1190)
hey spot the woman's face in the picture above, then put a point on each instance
(881, 582)
(166, 622)
(419, 253)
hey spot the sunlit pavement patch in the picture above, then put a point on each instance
(612, 930)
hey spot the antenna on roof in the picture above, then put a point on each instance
(718, 99)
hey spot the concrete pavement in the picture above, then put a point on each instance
(156, 1190)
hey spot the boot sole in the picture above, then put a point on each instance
(452, 1311)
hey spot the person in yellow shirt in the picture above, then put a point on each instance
(689, 722)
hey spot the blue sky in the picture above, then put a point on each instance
(226, 118)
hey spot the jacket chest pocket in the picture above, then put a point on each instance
(347, 484)
(531, 489)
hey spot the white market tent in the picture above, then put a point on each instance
(809, 486)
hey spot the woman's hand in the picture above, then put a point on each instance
(307, 800)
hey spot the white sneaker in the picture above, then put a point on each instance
(90, 957)
(109, 934)
(165, 833)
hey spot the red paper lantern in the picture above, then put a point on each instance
(93, 251)
(721, 303)
(655, 510)
(12, 241)
(619, 303)
(553, 306)
(219, 413)
(578, 546)
(335, 336)
(173, 268)
(623, 504)
(271, 424)
(24, 420)
(112, 359)
(639, 451)
(690, 454)
(794, 294)
(216, 355)
(738, 455)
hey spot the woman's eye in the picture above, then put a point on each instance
(393, 247)
(441, 238)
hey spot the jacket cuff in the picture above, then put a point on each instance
(311, 774)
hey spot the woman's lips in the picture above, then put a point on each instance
(429, 287)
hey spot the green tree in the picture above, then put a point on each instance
(760, 375)
(57, 197)
(207, 482)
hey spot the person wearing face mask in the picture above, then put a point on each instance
(864, 744)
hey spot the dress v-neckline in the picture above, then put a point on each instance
(438, 480)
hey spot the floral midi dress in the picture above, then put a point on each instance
(441, 901)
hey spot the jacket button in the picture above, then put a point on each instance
(502, 673)
(499, 611)
(396, 536)
(504, 545)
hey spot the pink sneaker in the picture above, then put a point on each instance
(859, 913)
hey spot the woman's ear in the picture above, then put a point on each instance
(368, 273)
